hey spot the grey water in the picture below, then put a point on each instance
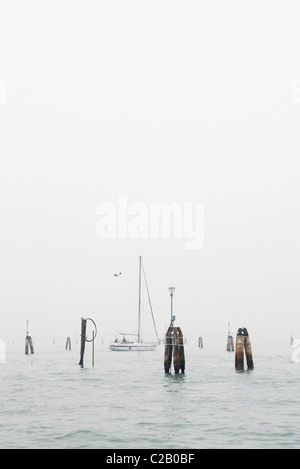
(127, 401)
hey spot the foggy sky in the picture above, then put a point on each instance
(163, 101)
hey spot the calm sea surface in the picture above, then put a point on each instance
(127, 401)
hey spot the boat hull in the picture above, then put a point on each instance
(132, 347)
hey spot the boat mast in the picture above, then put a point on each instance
(140, 287)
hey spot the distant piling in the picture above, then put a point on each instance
(200, 342)
(230, 342)
(28, 343)
(243, 348)
(174, 347)
(68, 343)
(292, 342)
(29, 346)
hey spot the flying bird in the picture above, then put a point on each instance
(117, 275)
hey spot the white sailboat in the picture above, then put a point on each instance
(127, 345)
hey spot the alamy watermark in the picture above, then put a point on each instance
(155, 220)
(2, 92)
(2, 352)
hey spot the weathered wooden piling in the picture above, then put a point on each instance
(200, 342)
(182, 355)
(84, 339)
(68, 343)
(248, 351)
(243, 347)
(174, 347)
(168, 350)
(28, 343)
(239, 352)
(178, 350)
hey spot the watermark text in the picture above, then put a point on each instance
(179, 221)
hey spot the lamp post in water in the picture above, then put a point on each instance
(172, 291)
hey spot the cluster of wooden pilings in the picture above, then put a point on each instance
(174, 347)
(28, 343)
(243, 348)
(68, 343)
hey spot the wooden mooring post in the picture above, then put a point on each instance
(28, 343)
(84, 339)
(168, 350)
(248, 352)
(174, 347)
(68, 343)
(243, 347)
